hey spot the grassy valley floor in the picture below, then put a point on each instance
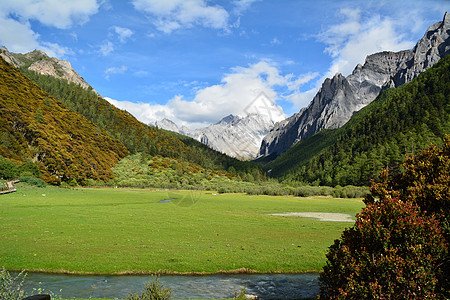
(126, 231)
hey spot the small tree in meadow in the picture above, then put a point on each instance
(398, 247)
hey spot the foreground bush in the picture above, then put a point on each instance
(425, 181)
(398, 247)
(391, 251)
(154, 290)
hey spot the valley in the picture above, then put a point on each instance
(217, 180)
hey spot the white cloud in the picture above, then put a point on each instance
(144, 112)
(297, 96)
(54, 50)
(115, 70)
(19, 37)
(302, 99)
(242, 5)
(238, 93)
(168, 16)
(233, 95)
(294, 85)
(57, 13)
(123, 33)
(106, 48)
(358, 36)
(15, 29)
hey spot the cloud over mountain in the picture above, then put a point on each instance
(233, 95)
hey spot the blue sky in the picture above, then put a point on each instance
(196, 61)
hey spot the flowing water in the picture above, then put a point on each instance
(265, 286)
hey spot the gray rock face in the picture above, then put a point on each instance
(340, 97)
(167, 125)
(235, 136)
(41, 63)
(434, 45)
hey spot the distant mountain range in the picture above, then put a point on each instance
(72, 133)
(236, 136)
(340, 97)
(335, 103)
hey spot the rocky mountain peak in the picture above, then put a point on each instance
(36, 55)
(340, 97)
(434, 45)
(233, 135)
(166, 124)
(228, 119)
(40, 62)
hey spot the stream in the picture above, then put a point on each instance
(265, 286)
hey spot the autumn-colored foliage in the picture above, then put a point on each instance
(398, 247)
(390, 252)
(35, 126)
(425, 181)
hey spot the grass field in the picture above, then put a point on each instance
(117, 231)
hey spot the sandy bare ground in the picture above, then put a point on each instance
(322, 216)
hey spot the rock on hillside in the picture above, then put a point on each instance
(166, 124)
(41, 63)
(340, 97)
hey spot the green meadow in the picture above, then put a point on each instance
(126, 231)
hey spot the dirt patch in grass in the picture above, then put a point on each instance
(322, 216)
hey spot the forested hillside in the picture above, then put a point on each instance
(37, 127)
(400, 121)
(136, 136)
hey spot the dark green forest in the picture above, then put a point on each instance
(399, 122)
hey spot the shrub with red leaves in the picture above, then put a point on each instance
(390, 252)
(398, 247)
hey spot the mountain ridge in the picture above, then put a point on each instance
(40, 62)
(340, 97)
(236, 136)
(399, 121)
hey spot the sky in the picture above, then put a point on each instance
(197, 61)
